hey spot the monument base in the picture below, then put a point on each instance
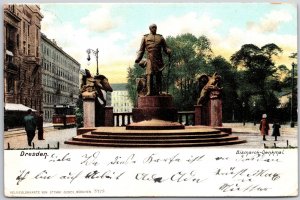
(155, 107)
(154, 124)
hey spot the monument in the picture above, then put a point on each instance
(155, 110)
(155, 117)
(208, 110)
(94, 101)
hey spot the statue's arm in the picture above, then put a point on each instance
(141, 51)
(165, 47)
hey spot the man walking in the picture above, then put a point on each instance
(154, 44)
(40, 128)
(30, 125)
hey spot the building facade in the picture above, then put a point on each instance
(60, 77)
(119, 99)
(22, 58)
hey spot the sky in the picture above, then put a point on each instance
(116, 29)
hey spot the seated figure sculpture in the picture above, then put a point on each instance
(207, 83)
(91, 87)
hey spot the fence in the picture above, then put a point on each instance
(184, 117)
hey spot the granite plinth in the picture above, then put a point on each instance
(142, 114)
(163, 101)
(154, 124)
(155, 107)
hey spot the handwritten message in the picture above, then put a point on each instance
(150, 172)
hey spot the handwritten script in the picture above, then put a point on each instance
(162, 172)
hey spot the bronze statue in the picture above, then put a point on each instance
(208, 84)
(142, 86)
(154, 44)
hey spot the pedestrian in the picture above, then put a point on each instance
(30, 126)
(264, 126)
(276, 126)
(40, 128)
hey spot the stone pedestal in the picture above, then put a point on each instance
(198, 111)
(109, 117)
(210, 114)
(89, 112)
(154, 113)
(215, 108)
(155, 107)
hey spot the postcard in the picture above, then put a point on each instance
(150, 99)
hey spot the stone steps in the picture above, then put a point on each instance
(136, 145)
(120, 137)
(153, 140)
(152, 136)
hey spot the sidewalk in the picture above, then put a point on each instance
(21, 131)
(17, 137)
(251, 134)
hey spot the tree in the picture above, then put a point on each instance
(189, 58)
(79, 112)
(132, 74)
(228, 73)
(257, 72)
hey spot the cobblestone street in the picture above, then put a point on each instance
(16, 138)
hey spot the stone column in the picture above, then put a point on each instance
(109, 116)
(88, 109)
(215, 108)
(198, 118)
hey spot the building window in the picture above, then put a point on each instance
(29, 49)
(10, 84)
(24, 27)
(24, 48)
(18, 41)
(28, 27)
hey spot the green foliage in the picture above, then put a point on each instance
(132, 75)
(79, 112)
(189, 58)
(252, 77)
(258, 80)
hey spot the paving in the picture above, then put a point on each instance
(17, 139)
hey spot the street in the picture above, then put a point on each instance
(17, 139)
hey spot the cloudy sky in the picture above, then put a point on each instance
(116, 29)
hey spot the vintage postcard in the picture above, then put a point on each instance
(150, 99)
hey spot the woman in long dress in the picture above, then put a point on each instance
(264, 126)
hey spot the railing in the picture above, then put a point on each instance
(122, 119)
(186, 118)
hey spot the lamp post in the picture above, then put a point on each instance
(243, 105)
(254, 106)
(96, 55)
(292, 123)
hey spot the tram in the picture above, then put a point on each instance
(64, 116)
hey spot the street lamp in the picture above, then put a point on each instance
(254, 106)
(243, 104)
(292, 123)
(96, 55)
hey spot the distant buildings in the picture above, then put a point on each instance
(22, 58)
(60, 80)
(119, 99)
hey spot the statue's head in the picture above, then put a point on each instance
(104, 82)
(153, 28)
(217, 77)
(88, 73)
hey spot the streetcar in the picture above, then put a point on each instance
(64, 116)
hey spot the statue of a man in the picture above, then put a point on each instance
(154, 44)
